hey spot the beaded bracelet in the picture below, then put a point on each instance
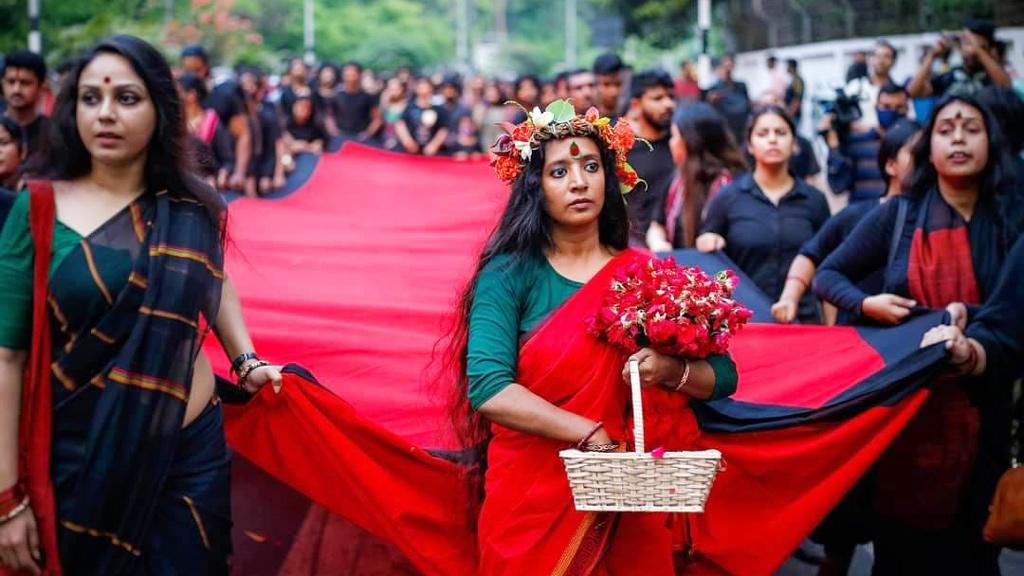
(610, 447)
(244, 376)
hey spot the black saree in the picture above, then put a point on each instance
(128, 309)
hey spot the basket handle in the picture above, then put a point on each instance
(638, 406)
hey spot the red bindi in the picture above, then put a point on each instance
(106, 79)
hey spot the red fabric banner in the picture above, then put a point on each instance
(355, 276)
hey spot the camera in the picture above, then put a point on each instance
(845, 110)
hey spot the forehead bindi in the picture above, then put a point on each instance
(110, 70)
(958, 114)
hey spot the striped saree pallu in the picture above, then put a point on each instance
(127, 309)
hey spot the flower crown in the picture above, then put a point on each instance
(514, 149)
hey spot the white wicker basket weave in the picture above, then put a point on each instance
(636, 481)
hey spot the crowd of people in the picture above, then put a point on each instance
(931, 169)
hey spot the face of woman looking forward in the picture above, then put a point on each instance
(959, 142)
(573, 182)
(114, 113)
(771, 141)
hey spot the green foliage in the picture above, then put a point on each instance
(662, 24)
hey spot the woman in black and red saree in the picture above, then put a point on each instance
(532, 380)
(943, 241)
(110, 278)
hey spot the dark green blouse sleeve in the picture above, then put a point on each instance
(726, 376)
(16, 256)
(493, 340)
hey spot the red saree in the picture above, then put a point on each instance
(528, 524)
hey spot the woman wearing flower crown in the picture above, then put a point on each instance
(533, 381)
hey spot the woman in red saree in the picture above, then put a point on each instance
(543, 272)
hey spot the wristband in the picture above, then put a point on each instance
(242, 358)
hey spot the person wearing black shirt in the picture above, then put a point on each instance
(730, 97)
(762, 219)
(298, 75)
(358, 111)
(325, 97)
(305, 132)
(652, 105)
(608, 73)
(423, 127)
(24, 76)
(462, 133)
(229, 103)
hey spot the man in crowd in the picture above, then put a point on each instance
(730, 97)
(793, 98)
(608, 72)
(852, 157)
(580, 85)
(651, 105)
(777, 81)
(866, 89)
(460, 117)
(423, 127)
(24, 79)
(228, 101)
(687, 89)
(358, 112)
(981, 63)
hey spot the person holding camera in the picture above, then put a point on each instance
(866, 88)
(852, 154)
(981, 63)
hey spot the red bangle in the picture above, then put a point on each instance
(798, 279)
(10, 499)
(583, 441)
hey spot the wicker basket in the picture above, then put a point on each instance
(636, 481)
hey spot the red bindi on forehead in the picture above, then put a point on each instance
(106, 79)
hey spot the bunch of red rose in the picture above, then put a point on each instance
(677, 310)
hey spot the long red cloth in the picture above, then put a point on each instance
(355, 277)
(36, 395)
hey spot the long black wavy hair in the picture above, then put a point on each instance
(523, 231)
(998, 179)
(168, 161)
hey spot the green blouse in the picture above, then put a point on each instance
(16, 260)
(513, 296)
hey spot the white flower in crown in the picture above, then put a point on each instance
(541, 119)
(525, 151)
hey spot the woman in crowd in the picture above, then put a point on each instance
(941, 242)
(493, 112)
(763, 218)
(305, 132)
(13, 151)
(205, 130)
(121, 258)
(526, 93)
(531, 380)
(393, 100)
(708, 159)
(895, 162)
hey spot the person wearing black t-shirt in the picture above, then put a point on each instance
(298, 75)
(463, 137)
(652, 105)
(423, 127)
(325, 97)
(358, 113)
(24, 75)
(305, 132)
(229, 102)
